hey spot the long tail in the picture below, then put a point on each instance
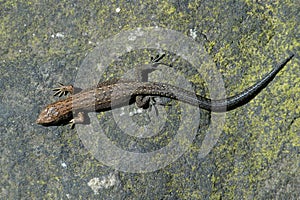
(238, 100)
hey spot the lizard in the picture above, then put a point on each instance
(101, 97)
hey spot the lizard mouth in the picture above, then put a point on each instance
(38, 121)
(42, 120)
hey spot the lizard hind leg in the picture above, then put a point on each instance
(150, 102)
(146, 102)
(142, 101)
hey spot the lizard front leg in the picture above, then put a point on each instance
(79, 118)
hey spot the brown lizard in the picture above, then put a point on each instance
(101, 97)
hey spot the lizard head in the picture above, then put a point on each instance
(53, 114)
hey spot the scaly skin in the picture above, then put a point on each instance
(111, 94)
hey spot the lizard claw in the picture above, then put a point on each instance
(72, 123)
(156, 60)
(152, 104)
(158, 101)
(63, 90)
(79, 119)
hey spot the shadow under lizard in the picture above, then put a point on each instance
(119, 93)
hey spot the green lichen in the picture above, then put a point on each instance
(267, 131)
(244, 44)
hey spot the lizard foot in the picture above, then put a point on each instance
(63, 90)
